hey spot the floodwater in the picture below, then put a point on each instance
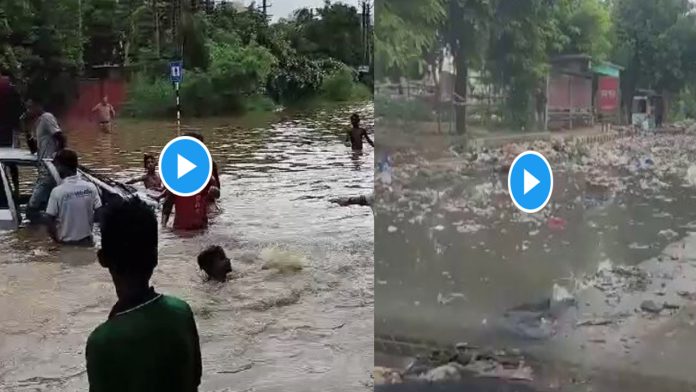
(265, 330)
(456, 262)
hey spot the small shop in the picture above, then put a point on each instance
(647, 110)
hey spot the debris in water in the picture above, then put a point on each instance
(451, 372)
(238, 370)
(391, 229)
(594, 322)
(691, 175)
(282, 260)
(556, 224)
(650, 307)
(668, 234)
(39, 253)
(445, 299)
(687, 294)
(382, 375)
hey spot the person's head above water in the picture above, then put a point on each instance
(215, 263)
(66, 163)
(149, 163)
(355, 120)
(129, 245)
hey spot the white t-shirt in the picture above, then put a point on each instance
(73, 203)
(46, 127)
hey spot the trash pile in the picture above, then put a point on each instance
(458, 363)
(615, 280)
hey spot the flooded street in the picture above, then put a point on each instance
(267, 329)
(571, 285)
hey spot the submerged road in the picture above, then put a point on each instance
(267, 330)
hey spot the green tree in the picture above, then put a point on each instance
(582, 27)
(333, 31)
(404, 29)
(520, 41)
(466, 33)
(655, 42)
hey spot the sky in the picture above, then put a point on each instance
(283, 8)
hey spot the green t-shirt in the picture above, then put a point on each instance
(151, 347)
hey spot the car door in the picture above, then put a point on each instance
(9, 219)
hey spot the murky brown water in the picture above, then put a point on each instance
(263, 331)
(453, 255)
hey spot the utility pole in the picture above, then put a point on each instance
(264, 8)
(79, 34)
(366, 23)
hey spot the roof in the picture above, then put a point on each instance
(647, 92)
(570, 57)
(16, 154)
(611, 65)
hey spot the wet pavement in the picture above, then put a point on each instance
(266, 330)
(601, 281)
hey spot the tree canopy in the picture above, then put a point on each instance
(511, 42)
(40, 40)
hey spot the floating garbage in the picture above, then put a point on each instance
(556, 223)
(691, 175)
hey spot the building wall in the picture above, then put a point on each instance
(90, 93)
(569, 92)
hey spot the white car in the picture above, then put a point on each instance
(13, 201)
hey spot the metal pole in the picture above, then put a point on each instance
(178, 110)
(546, 105)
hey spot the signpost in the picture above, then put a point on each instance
(608, 94)
(176, 74)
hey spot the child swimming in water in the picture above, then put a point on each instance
(151, 179)
(214, 262)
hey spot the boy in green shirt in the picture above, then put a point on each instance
(150, 342)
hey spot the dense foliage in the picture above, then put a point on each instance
(232, 55)
(510, 43)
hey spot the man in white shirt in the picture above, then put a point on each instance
(72, 204)
(47, 140)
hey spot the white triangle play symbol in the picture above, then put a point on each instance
(529, 182)
(183, 166)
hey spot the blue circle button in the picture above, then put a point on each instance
(185, 166)
(530, 182)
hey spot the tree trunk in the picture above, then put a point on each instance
(460, 91)
(666, 105)
(155, 13)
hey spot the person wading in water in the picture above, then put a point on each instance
(356, 134)
(105, 114)
(47, 140)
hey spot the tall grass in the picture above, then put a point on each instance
(149, 97)
(341, 86)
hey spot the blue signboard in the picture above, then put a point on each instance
(176, 71)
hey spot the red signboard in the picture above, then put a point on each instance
(608, 94)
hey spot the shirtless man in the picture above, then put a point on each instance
(105, 114)
(150, 179)
(356, 134)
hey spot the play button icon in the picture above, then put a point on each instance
(530, 182)
(185, 166)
